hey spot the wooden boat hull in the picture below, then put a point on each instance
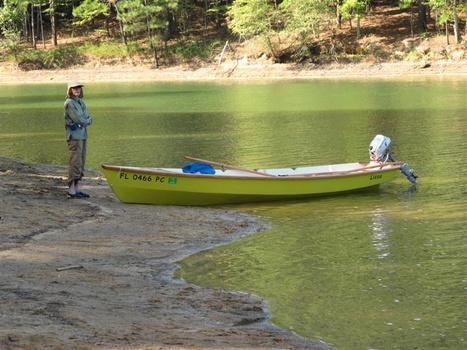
(168, 186)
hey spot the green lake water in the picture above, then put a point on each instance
(378, 270)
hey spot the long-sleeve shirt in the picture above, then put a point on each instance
(76, 112)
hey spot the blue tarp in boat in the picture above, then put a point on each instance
(198, 168)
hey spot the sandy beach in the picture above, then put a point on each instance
(97, 274)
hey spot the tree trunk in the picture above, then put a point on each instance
(107, 28)
(120, 25)
(33, 32)
(52, 22)
(457, 34)
(153, 46)
(421, 16)
(446, 26)
(358, 27)
(41, 24)
(206, 8)
(338, 15)
(154, 53)
(412, 34)
(170, 30)
(25, 31)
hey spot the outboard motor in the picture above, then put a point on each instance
(380, 153)
(379, 149)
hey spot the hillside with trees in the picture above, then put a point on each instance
(48, 34)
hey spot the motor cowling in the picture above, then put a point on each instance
(379, 149)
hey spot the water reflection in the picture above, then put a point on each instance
(334, 267)
(380, 232)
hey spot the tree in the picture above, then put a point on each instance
(88, 10)
(40, 23)
(12, 16)
(355, 9)
(53, 23)
(147, 17)
(250, 18)
(403, 4)
(421, 24)
(114, 3)
(304, 17)
(448, 12)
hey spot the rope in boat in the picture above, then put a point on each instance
(116, 177)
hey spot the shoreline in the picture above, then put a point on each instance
(97, 273)
(234, 71)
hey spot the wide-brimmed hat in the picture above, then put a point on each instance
(74, 83)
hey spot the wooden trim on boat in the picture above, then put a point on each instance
(343, 172)
(227, 166)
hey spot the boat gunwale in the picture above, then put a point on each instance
(384, 167)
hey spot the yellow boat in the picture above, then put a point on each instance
(232, 184)
(172, 186)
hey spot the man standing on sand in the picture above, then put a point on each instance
(77, 120)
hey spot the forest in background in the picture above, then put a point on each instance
(45, 34)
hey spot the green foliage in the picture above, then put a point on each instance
(11, 41)
(65, 57)
(191, 49)
(294, 19)
(305, 16)
(12, 15)
(55, 58)
(447, 8)
(249, 18)
(353, 8)
(132, 16)
(443, 8)
(105, 49)
(413, 55)
(462, 7)
(140, 16)
(147, 19)
(302, 18)
(288, 28)
(404, 4)
(89, 10)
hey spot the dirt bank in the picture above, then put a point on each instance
(237, 71)
(96, 273)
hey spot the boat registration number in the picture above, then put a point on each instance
(148, 178)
